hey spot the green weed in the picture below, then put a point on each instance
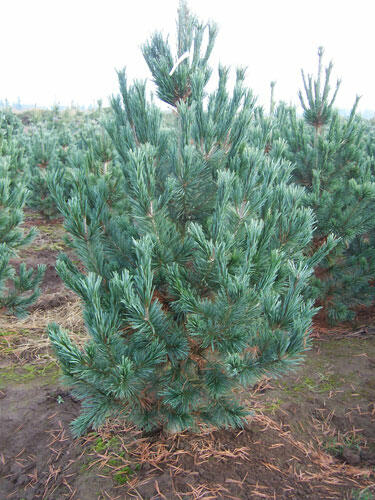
(335, 446)
(122, 476)
(362, 495)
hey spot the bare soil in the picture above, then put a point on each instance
(311, 435)
(44, 250)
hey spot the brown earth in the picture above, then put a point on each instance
(312, 433)
(44, 250)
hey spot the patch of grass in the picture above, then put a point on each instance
(101, 445)
(120, 471)
(7, 334)
(123, 475)
(28, 372)
(325, 382)
(116, 462)
(53, 245)
(84, 468)
(272, 406)
(335, 446)
(7, 338)
(50, 228)
(329, 382)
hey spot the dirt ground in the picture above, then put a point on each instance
(311, 435)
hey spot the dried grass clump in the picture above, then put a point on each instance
(26, 338)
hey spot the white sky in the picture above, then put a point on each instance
(64, 51)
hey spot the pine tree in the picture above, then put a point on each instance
(193, 277)
(12, 150)
(19, 289)
(332, 164)
(46, 157)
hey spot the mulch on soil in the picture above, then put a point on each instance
(39, 458)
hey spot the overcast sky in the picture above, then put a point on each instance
(64, 51)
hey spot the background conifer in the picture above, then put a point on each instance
(18, 289)
(334, 165)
